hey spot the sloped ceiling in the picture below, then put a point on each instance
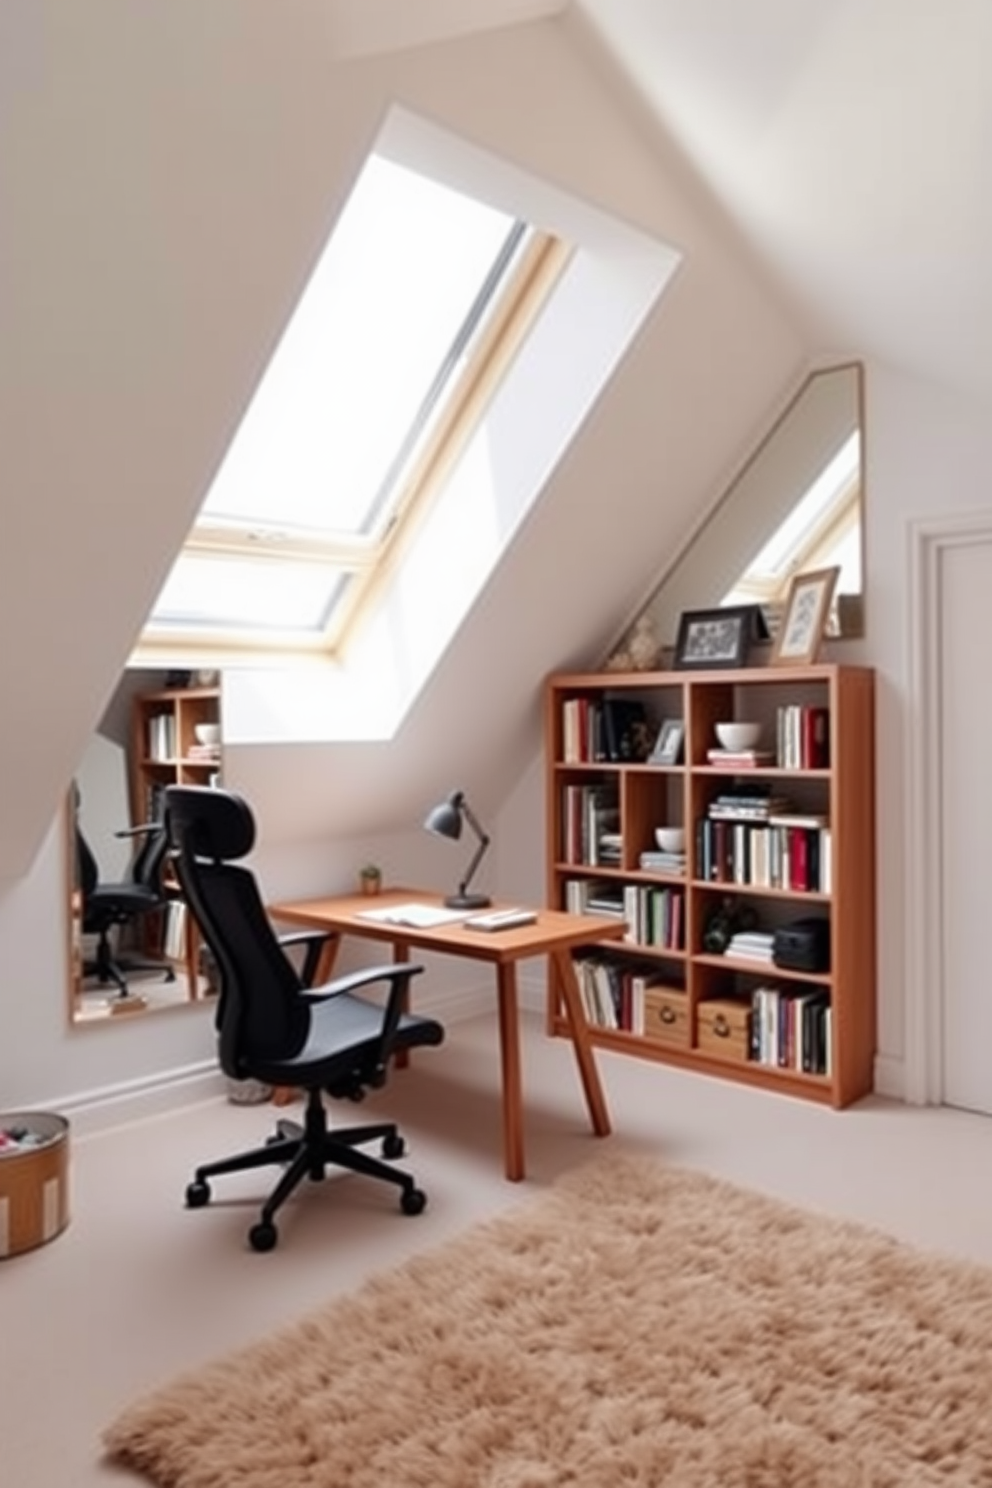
(850, 141)
(167, 174)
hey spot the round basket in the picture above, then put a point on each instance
(34, 1187)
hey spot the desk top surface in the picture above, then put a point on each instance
(347, 914)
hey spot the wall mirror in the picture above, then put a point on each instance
(133, 948)
(796, 505)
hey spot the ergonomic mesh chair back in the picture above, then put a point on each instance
(273, 1027)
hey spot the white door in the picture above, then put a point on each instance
(965, 817)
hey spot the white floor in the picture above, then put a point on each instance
(138, 1287)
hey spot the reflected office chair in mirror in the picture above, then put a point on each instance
(109, 908)
(274, 1027)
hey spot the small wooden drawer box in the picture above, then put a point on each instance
(666, 1015)
(724, 1028)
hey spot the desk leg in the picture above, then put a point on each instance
(401, 952)
(509, 1050)
(579, 1032)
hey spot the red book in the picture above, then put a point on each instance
(815, 739)
(798, 858)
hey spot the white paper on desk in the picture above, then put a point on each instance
(417, 916)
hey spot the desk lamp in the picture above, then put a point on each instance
(446, 821)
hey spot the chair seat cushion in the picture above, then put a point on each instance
(345, 1032)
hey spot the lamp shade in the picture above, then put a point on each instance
(446, 818)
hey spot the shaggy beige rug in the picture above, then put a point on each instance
(635, 1326)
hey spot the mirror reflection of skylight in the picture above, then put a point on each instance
(372, 329)
(794, 534)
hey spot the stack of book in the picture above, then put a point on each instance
(656, 861)
(740, 759)
(751, 945)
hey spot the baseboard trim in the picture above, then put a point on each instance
(92, 1111)
(131, 1100)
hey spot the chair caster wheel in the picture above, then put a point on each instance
(263, 1236)
(393, 1146)
(197, 1194)
(413, 1201)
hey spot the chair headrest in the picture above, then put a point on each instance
(209, 823)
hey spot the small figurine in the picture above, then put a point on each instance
(639, 651)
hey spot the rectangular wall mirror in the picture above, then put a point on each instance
(133, 947)
(796, 505)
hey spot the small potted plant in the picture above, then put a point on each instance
(370, 878)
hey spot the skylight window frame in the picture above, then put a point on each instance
(530, 263)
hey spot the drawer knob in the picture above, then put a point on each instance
(721, 1027)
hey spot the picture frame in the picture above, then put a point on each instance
(667, 748)
(804, 617)
(712, 639)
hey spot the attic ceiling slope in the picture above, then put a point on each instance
(850, 143)
(360, 28)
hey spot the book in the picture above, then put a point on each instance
(743, 758)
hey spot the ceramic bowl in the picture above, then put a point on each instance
(207, 733)
(735, 736)
(670, 839)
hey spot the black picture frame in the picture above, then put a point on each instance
(711, 640)
(668, 745)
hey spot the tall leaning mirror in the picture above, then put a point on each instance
(133, 948)
(796, 505)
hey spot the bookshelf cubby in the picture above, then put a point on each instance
(769, 845)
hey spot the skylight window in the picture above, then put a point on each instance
(418, 289)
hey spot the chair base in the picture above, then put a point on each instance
(107, 967)
(307, 1151)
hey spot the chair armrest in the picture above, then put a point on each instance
(399, 975)
(314, 940)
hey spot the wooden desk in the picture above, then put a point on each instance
(553, 934)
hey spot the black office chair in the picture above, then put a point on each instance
(111, 906)
(273, 1027)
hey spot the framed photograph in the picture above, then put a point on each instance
(668, 745)
(804, 618)
(714, 638)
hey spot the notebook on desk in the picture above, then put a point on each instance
(417, 916)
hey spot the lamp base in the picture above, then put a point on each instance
(468, 901)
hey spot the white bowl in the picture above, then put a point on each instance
(670, 839)
(207, 733)
(736, 736)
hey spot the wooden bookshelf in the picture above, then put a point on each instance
(810, 1033)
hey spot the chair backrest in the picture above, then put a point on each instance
(262, 1012)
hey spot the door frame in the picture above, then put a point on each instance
(929, 541)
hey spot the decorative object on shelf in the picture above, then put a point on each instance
(718, 638)
(446, 820)
(670, 839)
(668, 745)
(729, 919)
(737, 736)
(370, 878)
(804, 621)
(207, 734)
(639, 651)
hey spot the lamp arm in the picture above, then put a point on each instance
(483, 837)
